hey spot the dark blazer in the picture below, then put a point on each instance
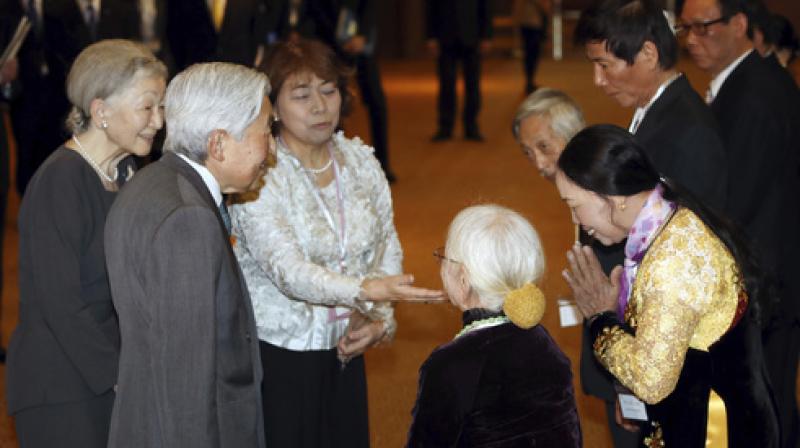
(501, 386)
(67, 32)
(193, 39)
(758, 109)
(189, 371)
(464, 22)
(682, 139)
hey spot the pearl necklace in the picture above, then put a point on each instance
(483, 323)
(94, 164)
(317, 171)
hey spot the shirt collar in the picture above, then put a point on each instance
(717, 82)
(208, 178)
(640, 112)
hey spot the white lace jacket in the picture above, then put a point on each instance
(290, 255)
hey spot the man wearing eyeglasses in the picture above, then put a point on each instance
(758, 109)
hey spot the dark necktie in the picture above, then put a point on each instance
(33, 17)
(226, 218)
(91, 20)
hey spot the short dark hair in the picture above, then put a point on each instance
(302, 55)
(625, 25)
(754, 10)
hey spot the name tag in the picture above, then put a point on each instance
(568, 313)
(632, 408)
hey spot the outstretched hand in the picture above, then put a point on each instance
(593, 290)
(398, 288)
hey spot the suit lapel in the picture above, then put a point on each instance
(670, 95)
(733, 79)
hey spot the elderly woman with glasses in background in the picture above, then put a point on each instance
(321, 255)
(502, 381)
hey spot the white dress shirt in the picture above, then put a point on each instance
(719, 80)
(639, 114)
(290, 255)
(208, 178)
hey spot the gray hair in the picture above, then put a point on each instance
(207, 97)
(566, 118)
(102, 70)
(500, 250)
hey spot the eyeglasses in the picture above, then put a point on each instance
(439, 254)
(698, 28)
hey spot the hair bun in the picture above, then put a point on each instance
(525, 306)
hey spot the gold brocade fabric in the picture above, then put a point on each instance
(685, 294)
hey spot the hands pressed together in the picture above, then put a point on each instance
(593, 290)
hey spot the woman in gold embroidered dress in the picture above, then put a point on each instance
(680, 317)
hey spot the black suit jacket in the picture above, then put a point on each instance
(325, 15)
(458, 22)
(758, 109)
(67, 33)
(682, 139)
(189, 369)
(193, 39)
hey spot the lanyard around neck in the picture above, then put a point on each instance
(341, 236)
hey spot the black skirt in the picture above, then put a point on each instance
(310, 401)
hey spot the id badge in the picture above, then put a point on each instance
(568, 313)
(632, 408)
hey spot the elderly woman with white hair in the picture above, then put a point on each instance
(63, 356)
(544, 124)
(502, 381)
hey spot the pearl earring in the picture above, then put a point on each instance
(104, 124)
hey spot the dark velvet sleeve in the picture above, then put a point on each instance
(445, 395)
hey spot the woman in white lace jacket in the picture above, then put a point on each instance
(320, 253)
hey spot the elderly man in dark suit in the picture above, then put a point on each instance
(190, 372)
(758, 109)
(216, 30)
(458, 31)
(634, 53)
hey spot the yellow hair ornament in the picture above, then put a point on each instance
(525, 306)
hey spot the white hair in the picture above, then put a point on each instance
(499, 249)
(566, 118)
(207, 97)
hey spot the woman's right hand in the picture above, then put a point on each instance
(398, 288)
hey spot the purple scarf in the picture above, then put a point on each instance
(655, 212)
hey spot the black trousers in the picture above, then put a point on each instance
(532, 46)
(82, 424)
(311, 402)
(368, 77)
(470, 59)
(781, 348)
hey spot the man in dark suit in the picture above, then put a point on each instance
(758, 109)
(351, 28)
(61, 29)
(458, 31)
(189, 371)
(216, 30)
(634, 55)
